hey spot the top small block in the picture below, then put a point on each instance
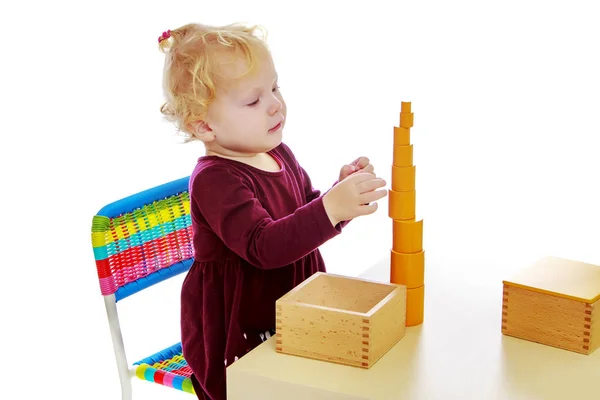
(406, 119)
(560, 277)
(405, 107)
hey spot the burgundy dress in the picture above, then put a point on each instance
(256, 236)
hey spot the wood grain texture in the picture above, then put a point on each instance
(548, 319)
(340, 319)
(388, 324)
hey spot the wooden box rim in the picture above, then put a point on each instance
(396, 291)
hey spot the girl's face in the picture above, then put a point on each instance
(248, 116)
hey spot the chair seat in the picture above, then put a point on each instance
(168, 368)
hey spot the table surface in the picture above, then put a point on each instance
(457, 353)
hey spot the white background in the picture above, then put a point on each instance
(505, 96)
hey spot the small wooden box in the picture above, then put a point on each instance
(341, 319)
(555, 302)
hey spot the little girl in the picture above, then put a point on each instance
(257, 221)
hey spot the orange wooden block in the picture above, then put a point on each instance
(403, 178)
(401, 205)
(407, 236)
(407, 269)
(403, 155)
(555, 302)
(407, 119)
(415, 306)
(401, 136)
(405, 106)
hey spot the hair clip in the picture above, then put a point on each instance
(164, 36)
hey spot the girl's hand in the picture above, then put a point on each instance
(353, 197)
(361, 164)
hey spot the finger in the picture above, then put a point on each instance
(369, 168)
(370, 185)
(367, 209)
(373, 196)
(361, 162)
(348, 169)
(359, 177)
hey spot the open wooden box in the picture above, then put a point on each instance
(341, 319)
(555, 302)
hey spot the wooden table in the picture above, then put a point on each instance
(457, 353)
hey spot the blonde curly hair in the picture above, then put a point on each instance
(192, 73)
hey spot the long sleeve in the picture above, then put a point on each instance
(242, 223)
(312, 193)
(309, 190)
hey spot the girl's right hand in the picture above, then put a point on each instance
(354, 196)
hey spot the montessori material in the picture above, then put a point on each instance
(340, 319)
(407, 262)
(555, 302)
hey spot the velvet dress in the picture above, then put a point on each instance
(256, 236)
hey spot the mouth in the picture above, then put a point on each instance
(275, 128)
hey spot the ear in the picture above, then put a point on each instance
(202, 131)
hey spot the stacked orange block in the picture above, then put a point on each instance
(407, 254)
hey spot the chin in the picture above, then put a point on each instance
(278, 137)
(272, 143)
(263, 146)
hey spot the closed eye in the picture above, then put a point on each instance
(255, 102)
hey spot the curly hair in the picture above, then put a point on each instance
(194, 55)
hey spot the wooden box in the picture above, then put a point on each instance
(555, 302)
(341, 319)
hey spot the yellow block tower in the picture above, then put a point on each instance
(407, 254)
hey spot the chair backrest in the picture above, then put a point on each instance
(143, 239)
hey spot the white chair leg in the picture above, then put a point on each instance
(126, 390)
(118, 346)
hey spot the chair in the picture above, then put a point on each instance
(139, 241)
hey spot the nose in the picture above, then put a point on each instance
(275, 106)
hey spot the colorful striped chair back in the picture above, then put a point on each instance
(139, 241)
